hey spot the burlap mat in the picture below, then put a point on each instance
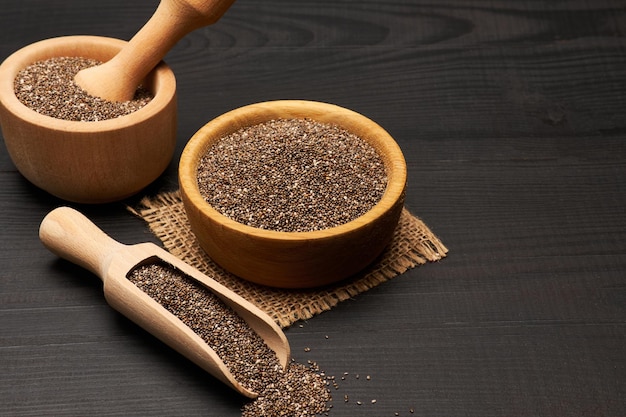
(413, 244)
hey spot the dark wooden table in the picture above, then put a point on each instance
(512, 118)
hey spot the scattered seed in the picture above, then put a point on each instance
(298, 393)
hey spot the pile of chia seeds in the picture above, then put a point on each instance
(297, 391)
(292, 175)
(48, 88)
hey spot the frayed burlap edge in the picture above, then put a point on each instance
(413, 244)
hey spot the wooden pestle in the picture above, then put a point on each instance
(118, 79)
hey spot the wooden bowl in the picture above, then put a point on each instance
(293, 259)
(88, 162)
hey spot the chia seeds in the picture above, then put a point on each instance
(48, 88)
(292, 175)
(297, 391)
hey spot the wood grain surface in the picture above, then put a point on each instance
(511, 118)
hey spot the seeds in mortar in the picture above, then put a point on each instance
(292, 175)
(48, 88)
(297, 391)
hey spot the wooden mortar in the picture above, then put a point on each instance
(88, 162)
(293, 259)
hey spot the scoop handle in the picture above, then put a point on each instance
(70, 235)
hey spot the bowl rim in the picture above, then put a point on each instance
(29, 54)
(197, 145)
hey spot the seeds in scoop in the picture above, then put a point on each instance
(297, 391)
(48, 88)
(292, 175)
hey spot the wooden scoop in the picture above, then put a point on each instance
(118, 79)
(70, 235)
